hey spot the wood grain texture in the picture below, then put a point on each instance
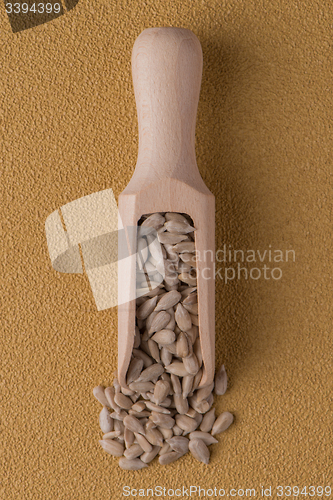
(166, 69)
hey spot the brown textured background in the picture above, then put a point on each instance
(264, 128)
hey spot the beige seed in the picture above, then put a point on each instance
(179, 444)
(128, 438)
(166, 448)
(182, 318)
(133, 424)
(190, 299)
(164, 337)
(145, 445)
(221, 381)
(118, 415)
(151, 373)
(222, 423)
(175, 216)
(172, 348)
(172, 323)
(187, 278)
(123, 401)
(162, 420)
(177, 431)
(204, 392)
(127, 392)
(171, 239)
(183, 267)
(187, 290)
(191, 364)
(186, 423)
(178, 227)
(105, 421)
(134, 370)
(169, 457)
(154, 220)
(166, 356)
(146, 308)
(166, 433)
(182, 345)
(147, 360)
(155, 248)
(139, 406)
(133, 451)
(150, 319)
(160, 409)
(140, 414)
(199, 450)
(197, 351)
(111, 435)
(142, 252)
(191, 308)
(141, 386)
(162, 388)
(98, 392)
(159, 322)
(113, 447)
(187, 384)
(155, 437)
(208, 421)
(197, 379)
(109, 394)
(175, 384)
(177, 368)
(119, 426)
(148, 457)
(201, 407)
(134, 464)
(168, 300)
(184, 246)
(180, 403)
(205, 436)
(194, 319)
(192, 334)
(149, 425)
(154, 350)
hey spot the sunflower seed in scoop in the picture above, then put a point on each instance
(161, 390)
(221, 381)
(168, 300)
(199, 450)
(169, 457)
(146, 308)
(134, 370)
(205, 436)
(171, 238)
(178, 227)
(182, 318)
(151, 373)
(98, 392)
(155, 221)
(148, 457)
(182, 345)
(187, 278)
(184, 246)
(222, 422)
(190, 299)
(131, 464)
(175, 216)
(208, 421)
(113, 447)
(187, 384)
(164, 337)
(191, 364)
(179, 443)
(133, 451)
(177, 368)
(105, 421)
(159, 322)
(194, 319)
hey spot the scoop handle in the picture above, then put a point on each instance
(166, 71)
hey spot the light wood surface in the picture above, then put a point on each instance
(166, 70)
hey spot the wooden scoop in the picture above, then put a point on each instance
(166, 69)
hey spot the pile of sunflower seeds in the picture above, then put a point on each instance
(163, 411)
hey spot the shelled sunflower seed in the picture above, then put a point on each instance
(162, 411)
